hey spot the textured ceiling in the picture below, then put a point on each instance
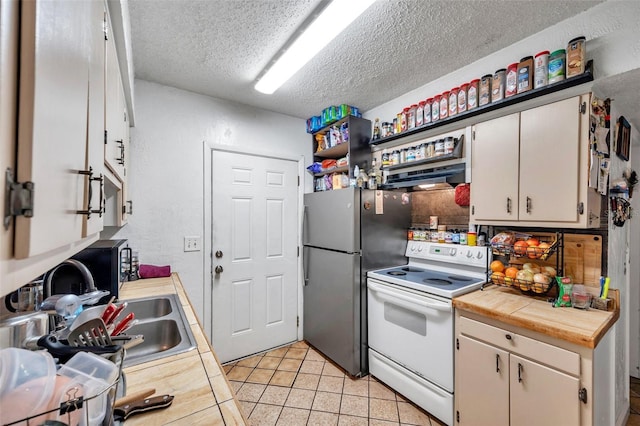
(219, 47)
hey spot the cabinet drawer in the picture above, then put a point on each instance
(541, 352)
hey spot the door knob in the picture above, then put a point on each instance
(218, 269)
(218, 254)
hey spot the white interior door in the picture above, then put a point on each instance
(254, 230)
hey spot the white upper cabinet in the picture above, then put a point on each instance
(115, 114)
(531, 168)
(55, 52)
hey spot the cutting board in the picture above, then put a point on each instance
(583, 258)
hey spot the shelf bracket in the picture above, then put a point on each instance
(18, 198)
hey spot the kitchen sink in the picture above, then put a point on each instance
(162, 322)
(148, 308)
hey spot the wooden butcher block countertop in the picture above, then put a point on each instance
(195, 378)
(582, 327)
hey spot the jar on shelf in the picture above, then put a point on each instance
(556, 66)
(411, 116)
(404, 119)
(435, 109)
(576, 56)
(444, 104)
(453, 101)
(438, 148)
(472, 94)
(395, 158)
(387, 129)
(427, 110)
(449, 144)
(485, 89)
(511, 87)
(462, 97)
(541, 69)
(525, 74)
(497, 85)
(420, 114)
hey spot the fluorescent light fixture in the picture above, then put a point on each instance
(427, 186)
(333, 19)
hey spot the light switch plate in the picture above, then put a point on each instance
(192, 243)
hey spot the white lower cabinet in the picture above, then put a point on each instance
(512, 376)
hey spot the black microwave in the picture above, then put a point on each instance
(107, 260)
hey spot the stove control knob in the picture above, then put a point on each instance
(469, 254)
(452, 252)
(479, 255)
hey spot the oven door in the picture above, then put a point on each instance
(413, 329)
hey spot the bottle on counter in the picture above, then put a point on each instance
(362, 179)
(472, 236)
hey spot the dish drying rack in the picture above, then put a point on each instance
(77, 402)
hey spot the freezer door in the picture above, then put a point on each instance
(332, 304)
(332, 220)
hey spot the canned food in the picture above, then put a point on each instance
(386, 158)
(395, 158)
(525, 74)
(511, 87)
(497, 85)
(411, 154)
(485, 89)
(439, 148)
(576, 56)
(453, 101)
(541, 70)
(387, 129)
(472, 94)
(462, 97)
(435, 109)
(556, 66)
(398, 123)
(403, 155)
(444, 104)
(421, 152)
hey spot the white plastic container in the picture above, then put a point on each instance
(96, 374)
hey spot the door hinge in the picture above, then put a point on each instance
(297, 321)
(582, 395)
(298, 180)
(457, 416)
(473, 209)
(473, 135)
(457, 343)
(19, 198)
(582, 108)
(580, 208)
(105, 137)
(298, 251)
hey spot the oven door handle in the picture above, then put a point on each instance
(407, 302)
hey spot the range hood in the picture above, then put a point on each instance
(428, 174)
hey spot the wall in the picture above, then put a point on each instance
(613, 42)
(166, 171)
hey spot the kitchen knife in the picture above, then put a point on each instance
(133, 397)
(124, 322)
(142, 406)
(108, 312)
(115, 313)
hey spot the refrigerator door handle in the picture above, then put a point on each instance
(305, 221)
(305, 264)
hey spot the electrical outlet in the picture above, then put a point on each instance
(192, 243)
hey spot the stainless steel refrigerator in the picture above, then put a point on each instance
(348, 232)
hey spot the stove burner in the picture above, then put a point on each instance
(437, 281)
(459, 278)
(410, 269)
(396, 273)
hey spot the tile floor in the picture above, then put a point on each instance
(296, 385)
(634, 402)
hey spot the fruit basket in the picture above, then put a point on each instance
(531, 279)
(516, 244)
(525, 286)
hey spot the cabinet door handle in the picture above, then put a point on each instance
(520, 373)
(100, 179)
(528, 205)
(497, 363)
(120, 160)
(508, 205)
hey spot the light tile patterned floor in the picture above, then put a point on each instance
(296, 385)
